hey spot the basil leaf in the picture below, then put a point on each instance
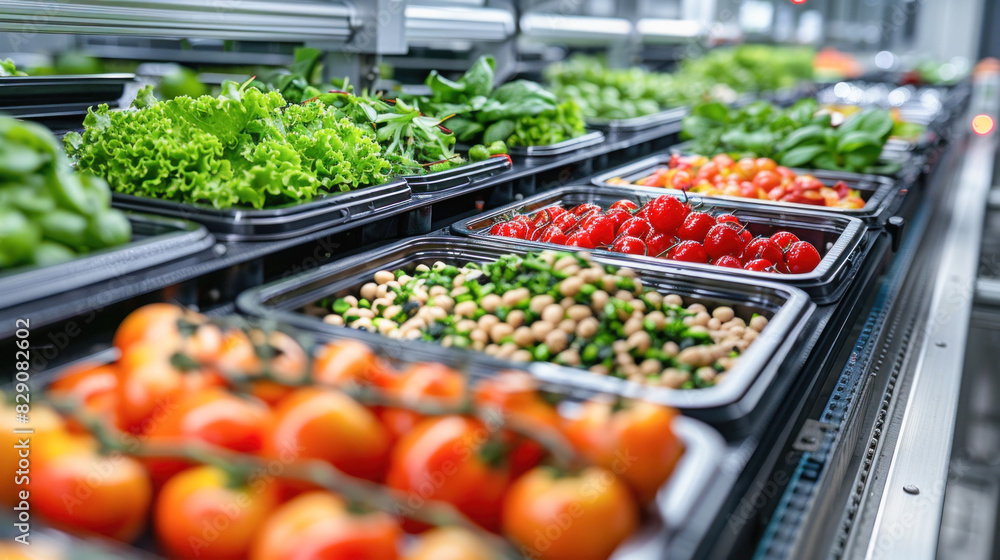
(478, 80)
(498, 131)
(855, 140)
(800, 156)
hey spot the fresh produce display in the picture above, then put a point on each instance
(329, 455)
(555, 307)
(48, 212)
(800, 136)
(752, 68)
(901, 128)
(520, 113)
(664, 227)
(243, 148)
(7, 68)
(760, 178)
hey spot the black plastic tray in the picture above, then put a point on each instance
(573, 144)
(57, 96)
(839, 239)
(155, 241)
(878, 192)
(247, 224)
(667, 116)
(787, 309)
(460, 176)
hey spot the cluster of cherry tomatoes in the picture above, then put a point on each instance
(760, 178)
(664, 227)
(183, 381)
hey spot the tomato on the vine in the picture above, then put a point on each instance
(321, 526)
(94, 388)
(449, 543)
(415, 385)
(204, 513)
(345, 362)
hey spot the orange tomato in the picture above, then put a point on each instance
(635, 442)
(212, 416)
(75, 488)
(45, 423)
(94, 387)
(581, 516)
(449, 543)
(766, 164)
(238, 355)
(419, 381)
(200, 514)
(156, 322)
(319, 526)
(326, 424)
(451, 459)
(344, 362)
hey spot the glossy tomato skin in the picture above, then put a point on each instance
(200, 514)
(238, 357)
(637, 442)
(326, 424)
(601, 511)
(345, 362)
(442, 459)
(45, 423)
(415, 385)
(213, 416)
(155, 322)
(449, 543)
(318, 526)
(92, 386)
(75, 488)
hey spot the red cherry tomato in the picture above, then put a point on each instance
(689, 251)
(724, 218)
(696, 226)
(584, 209)
(417, 383)
(601, 229)
(802, 257)
(553, 234)
(767, 180)
(762, 248)
(629, 245)
(626, 205)
(565, 221)
(723, 240)
(783, 239)
(580, 239)
(759, 265)
(667, 213)
(728, 261)
(635, 227)
(659, 243)
(618, 217)
(681, 180)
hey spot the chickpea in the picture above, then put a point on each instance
(696, 308)
(395, 334)
(466, 308)
(735, 322)
(384, 277)
(515, 318)
(570, 286)
(568, 357)
(381, 291)
(419, 295)
(567, 302)
(549, 257)
(592, 274)
(650, 367)
(587, 328)
(523, 336)
(714, 324)
(706, 374)
(515, 296)
(556, 341)
(624, 359)
(351, 300)
(385, 327)
(466, 326)
(626, 272)
(638, 305)
(391, 311)
(674, 378)
(438, 265)
(578, 312)
(415, 323)
(723, 314)
(491, 350)
(671, 349)
(364, 313)
(758, 323)
(633, 326)
(335, 320)
(458, 281)
(641, 341)
(599, 300)
(750, 335)
(702, 319)
(412, 334)
(362, 323)
(567, 326)
(694, 356)
(368, 291)
(540, 329)
(638, 286)
(673, 300)
(727, 363)
(404, 279)
(437, 291)
(459, 291)
(599, 369)
(444, 302)
(657, 318)
(654, 298)
(499, 331)
(490, 303)
(423, 268)
(635, 375)
(436, 313)
(539, 303)
(520, 356)
(478, 345)
(624, 295)
(553, 313)
(486, 322)
(572, 269)
(609, 283)
(479, 335)
(563, 262)
(619, 347)
(507, 349)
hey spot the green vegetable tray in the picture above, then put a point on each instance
(787, 309)
(457, 177)
(566, 146)
(879, 193)
(248, 224)
(155, 241)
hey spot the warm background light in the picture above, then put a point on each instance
(983, 124)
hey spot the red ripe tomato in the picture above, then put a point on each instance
(762, 248)
(326, 424)
(667, 213)
(540, 219)
(635, 227)
(601, 230)
(565, 221)
(681, 180)
(585, 209)
(346, 362)
(415, 385)
(320, 526)
(555, 211)
(214, 416)
(689, 251)
(449, 543)
(723, 161)
(618, 217)
(535, 234)
(447, 458)
(759, 265)
(200, 514)
(723, 240)
(746, 168)
(626, 205)
(728, 261)
(783, 239)
(767, 180)
(766, 164)
(724, 218)
(580, 239)
(600, 507)
(496, 228)
(629, 245)
(802, 257)
(785, 172)
(92, 386)
(658, 243)
(635, 441)
(707, 172)
(155, 322)
(553, 234)
(696, 226)
(516, 230)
